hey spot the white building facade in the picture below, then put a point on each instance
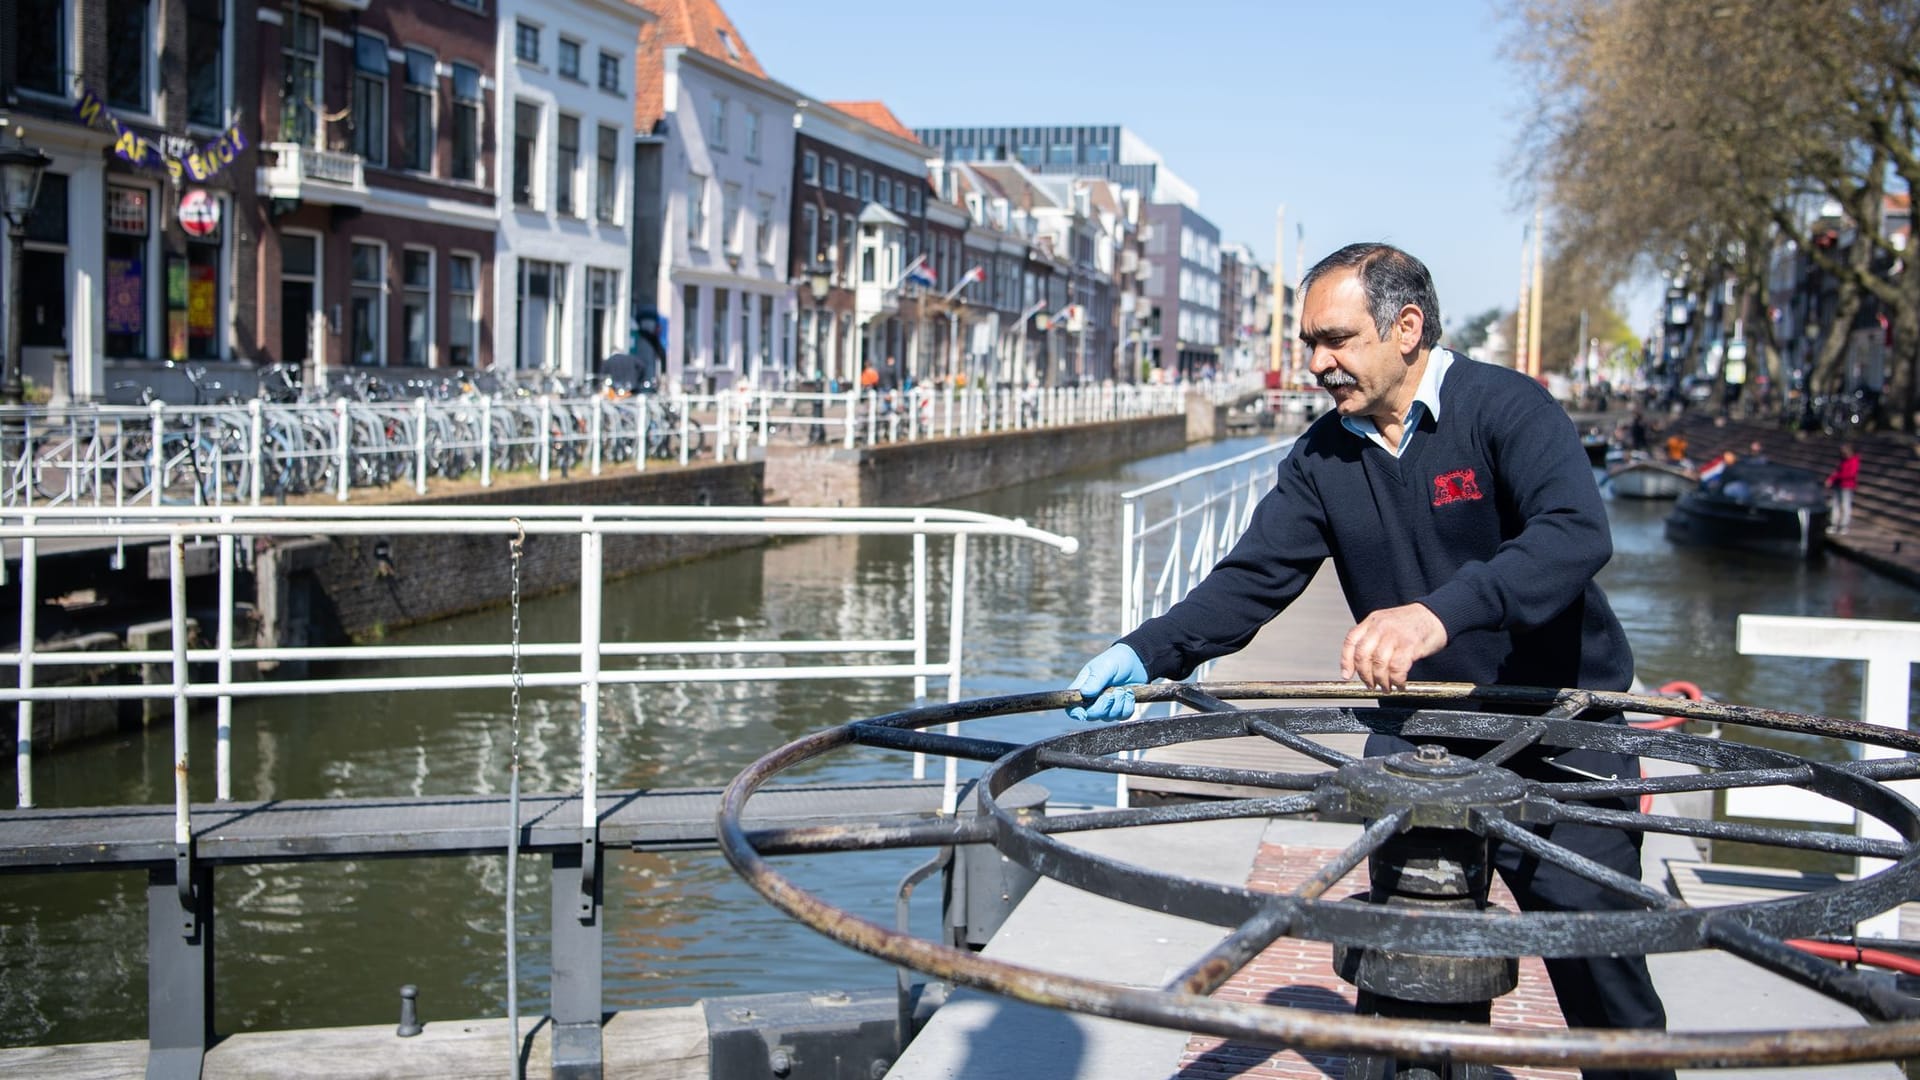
(727, 174)
(566, 168)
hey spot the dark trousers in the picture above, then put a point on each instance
(1596, 991)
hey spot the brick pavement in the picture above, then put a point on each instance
(1299, 974)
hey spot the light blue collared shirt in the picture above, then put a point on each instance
(1425, 396)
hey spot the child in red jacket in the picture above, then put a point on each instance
(1843, 480)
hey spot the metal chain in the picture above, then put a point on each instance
(517, 547)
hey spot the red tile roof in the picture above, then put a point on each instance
(877, 114)
(695, 24)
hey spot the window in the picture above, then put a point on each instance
(848, 176)
(610, 72)
(886, 191)
(526, 140)
(1029, 155)
(866, 186)
(721, 356)
(543, 287)
(1099, 154)
(831, 253)
(696, 210)
(731, 220)
(913, 199)
(763, 226)
(300, 82)
(370, 98)
(1060, 154)
(717, 130)
(830, 175)
(416, 305)
(766, 331)
(810, 168)
(603, 291)
(206, 65)
(606, 185)
(466, 122)
(866, 264)
(43, 267)
(726, 41)
(566, 179)
(690, 318)
(129, 283)
(130, 49)
(463, 321)
(41, 56)
(569, 61)
(367, 339)
(416, 113)
(753, 135)
(206, 319)
(810, 226)
(526, 42)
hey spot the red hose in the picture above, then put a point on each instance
(1684, 689)
(1880, 958)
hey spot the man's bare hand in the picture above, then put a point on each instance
(1382, 649)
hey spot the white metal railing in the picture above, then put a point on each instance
(294, 164)
(219, 455)
(903, 655)
(1174, 530)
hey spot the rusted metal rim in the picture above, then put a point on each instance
(1275, 1026)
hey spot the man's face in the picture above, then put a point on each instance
(1365, 375)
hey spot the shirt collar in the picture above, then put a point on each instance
(1426, 395)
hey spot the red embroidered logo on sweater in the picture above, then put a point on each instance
(1456, 486)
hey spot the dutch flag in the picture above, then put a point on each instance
(922, 275)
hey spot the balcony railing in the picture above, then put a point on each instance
(319, 176)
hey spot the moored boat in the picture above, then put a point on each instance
(1756, 506)
(1648, 479)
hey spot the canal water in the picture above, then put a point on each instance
(329, 944)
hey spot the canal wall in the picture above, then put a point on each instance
(936, 470)
(323, 590)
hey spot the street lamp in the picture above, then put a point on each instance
(819, 283)
(20, 169)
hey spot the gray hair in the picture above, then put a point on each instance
(1391, 279)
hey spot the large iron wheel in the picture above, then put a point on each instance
(1497, 804)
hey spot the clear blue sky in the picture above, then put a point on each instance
(1369, 119)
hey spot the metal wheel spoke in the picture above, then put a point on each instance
(1582, 790)
(1300, 744)
(1884, 769)
(1525, 737)
(1507, 832)
(1235, 951)
(1161, 770)
(931, 742)
(1573, 704)
(1801, 839)
(1200, 701)
(1872, 997)
(1366, 844)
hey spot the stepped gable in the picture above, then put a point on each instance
(699, 25)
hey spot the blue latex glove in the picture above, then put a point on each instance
(1119, 666)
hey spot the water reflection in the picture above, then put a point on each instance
(330, 944)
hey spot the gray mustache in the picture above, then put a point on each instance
(1337, 378)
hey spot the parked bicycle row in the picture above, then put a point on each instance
(217, 454)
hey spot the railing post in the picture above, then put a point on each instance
(29, 630)
(486, 442)
(720, 433)
(419, 446)
(641, 446)
(919, 632)
(546, 436)
(577, 925)
(223, 643)
(344, 445)
(956, 626)
(765, 397)
(255, 422)
(853, 412)
(686, 430)
(594, 430)
(156, 452)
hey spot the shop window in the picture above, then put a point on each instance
(206, 310)
(129, 280)
(603, 335)
(542, 313)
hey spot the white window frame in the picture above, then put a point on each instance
(601, 184)
(479, 107)
(753, 135)
(810, 167)
(717, 128)
(697, 217)
(432, 91)
(557, 336)
(599, 74)
(538, 29)
(226, 70)
(379, 307)
(385, 77)
(470, 298)
(66, 65)
(314, 316)
(432, 293)
(763, 226)
(559, 52)
(733, 218)
(536, 184)
(149, 109)
(567, 181)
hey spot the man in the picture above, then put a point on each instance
(1462, 517)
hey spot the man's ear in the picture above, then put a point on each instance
(1407, 329)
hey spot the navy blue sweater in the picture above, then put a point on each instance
(1491, 518)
